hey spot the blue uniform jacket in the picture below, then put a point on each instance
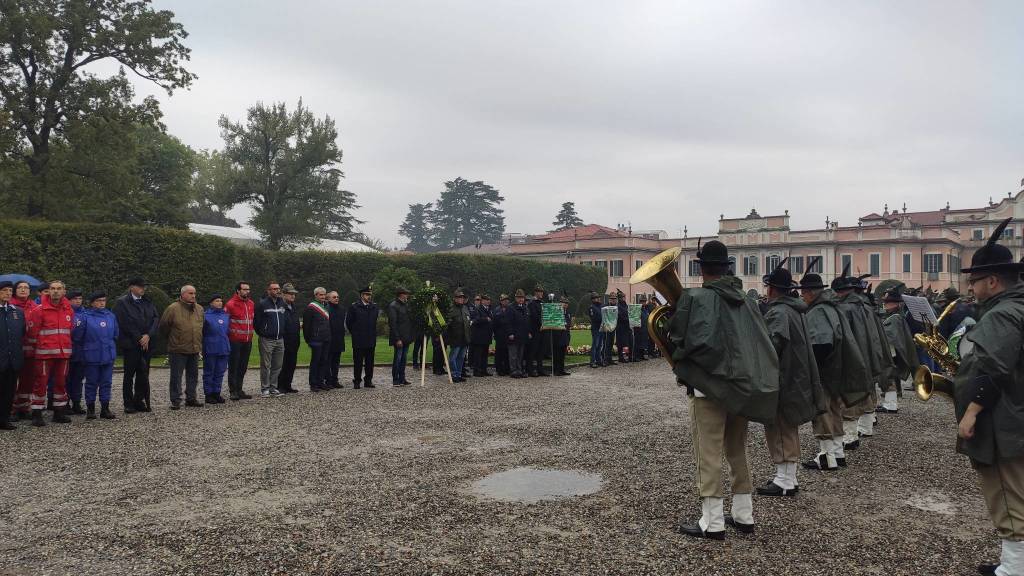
(595, 317)
(215, 332)
(95, 334)
(76, 350)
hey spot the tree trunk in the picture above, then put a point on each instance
(37, 164)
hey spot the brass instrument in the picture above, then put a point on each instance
(927, 382)
(660, 273)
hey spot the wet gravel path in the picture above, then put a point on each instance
(377, 482)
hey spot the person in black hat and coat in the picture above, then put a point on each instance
(361, 322)
(623, 331)
(540, 340)
(138, 324)
(501, 363)
(482, 332)
(12, 334)
(400, 335)
(517, 333)
(989, 394)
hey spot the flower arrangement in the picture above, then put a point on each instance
(428, 308)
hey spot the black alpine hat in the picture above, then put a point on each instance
(137, 281)
(812, 281)
(714, 252)
(843, 281)
(75, 293)
(402, 290)
(780, 278)
(892, 295)
(993, 257)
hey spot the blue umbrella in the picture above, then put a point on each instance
(15, 278)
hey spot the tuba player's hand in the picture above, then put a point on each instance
(966, 428)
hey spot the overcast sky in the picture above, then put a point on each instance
(660, 114)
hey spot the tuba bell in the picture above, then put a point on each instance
(926, 382)
(660, 273)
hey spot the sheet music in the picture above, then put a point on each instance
(920, 309)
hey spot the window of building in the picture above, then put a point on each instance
(1008, 233)
(587, 263)
(639, 263)
(933, 263)
(694, 268)
(875, 262)
(616, 268)
(954, 263)
(601, 264)
(978, 234)
(906, 263)
(750, 265)
(846, 260)
(814, 267)
(796, 264)
(771, 262)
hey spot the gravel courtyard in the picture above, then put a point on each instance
(379, 482)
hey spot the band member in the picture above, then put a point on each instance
(989, 390)
(850, 305)
(882, 353)
(540, 340)
(841, 369)
(800, 393)
(724, 357)
(903, 349)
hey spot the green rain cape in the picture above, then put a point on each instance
(843, 372)
(800, 395)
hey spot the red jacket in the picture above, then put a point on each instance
(28, 344)
(51, 326)
(241, 312)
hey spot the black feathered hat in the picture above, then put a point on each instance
(843, 281)
(993, 257)
(714, 252)
(892, 295)
(780, 278)
(812, 281)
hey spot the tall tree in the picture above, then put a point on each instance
(416, 228)
(467, 213)
(285, 166)
(47, 51)
(210, 190)
(567, 217)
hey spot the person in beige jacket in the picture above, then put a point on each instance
(182, 326)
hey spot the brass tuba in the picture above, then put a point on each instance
(927, 382)
(660, 273)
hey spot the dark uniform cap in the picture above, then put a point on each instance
(460, 294)
(215, 297)
(714, 252)
(137, 281)
(994, 257)
(520, 293)
(289, 288)
(892, 295)
(563, 300)
(538, 288)
(74, 293)
(594, 295)
(402, 290)
(780, 278)
(367, 290)
(95, 295)
(503, 297)
(811, 282)
(753, 293)
(843, 281)
(6, 284)
(485, 297)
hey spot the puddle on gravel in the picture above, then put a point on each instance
(933, 502)
(530, 485)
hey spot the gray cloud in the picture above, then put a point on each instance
(663, 114)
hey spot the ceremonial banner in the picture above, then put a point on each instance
(634, 315)
(552, 317)
(609, 318)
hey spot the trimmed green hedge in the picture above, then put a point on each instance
(105, 256)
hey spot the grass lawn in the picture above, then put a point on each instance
(383, 352)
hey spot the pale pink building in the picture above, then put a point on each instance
(917, 248)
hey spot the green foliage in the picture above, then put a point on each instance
(210, 197)
(567, 217)
(422, 308)
(105, 256)
(47, 83)
(467, 213)
(416, 228)
(390, 278)
(286, 166)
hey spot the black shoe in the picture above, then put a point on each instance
(818, 463)
(841, 462)
(37, 418)
(368, 385)
(773, 489)
(129, 409)
(244, 396)
(175, 405)
(90, 411)
(76, 408)
(356, 385)
(7, 426)
(143, 408)
(564, 373)
(293, 390)
(852, 445)
(697, 532)
(863, 435)
(220, 399)
(235, 397)
(334, 385)
(533, 374)
(884, 410)
(458, 380)
(739, 526)
(59, 417)
(987, 568)
(209, 399)
(105, 412)
(193, 403)
(592, 365)
(406, 383)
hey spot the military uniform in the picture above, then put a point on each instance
(517, 330)
(800, 395)
(724, 357)
(989, 390)
(903, 350)
(866, 336)
(883, 354)
(501, 363)
(540, 340)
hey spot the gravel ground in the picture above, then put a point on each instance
(377, 482)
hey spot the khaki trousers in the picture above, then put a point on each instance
(716, 431)
(783, 441)
(863, 407)
(830, 424)
(1002, 485)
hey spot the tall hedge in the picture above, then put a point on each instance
(105, 256)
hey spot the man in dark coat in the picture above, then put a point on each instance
(457, 335)
(562, 338)
(623, 331)
(138, 324)
(501, 364)
(725, 358)
(609, 336)
(517, 333)
(482, 328)
(540, 340)
(640, 333)
(646, 310)
(291, 340)
(800, 396)
(862, 328)
(361, 322)
(903, 349)
(316, 330)
(12, 333)
(400, 335)
(596, 335)
(337, 311)
(989, 393)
